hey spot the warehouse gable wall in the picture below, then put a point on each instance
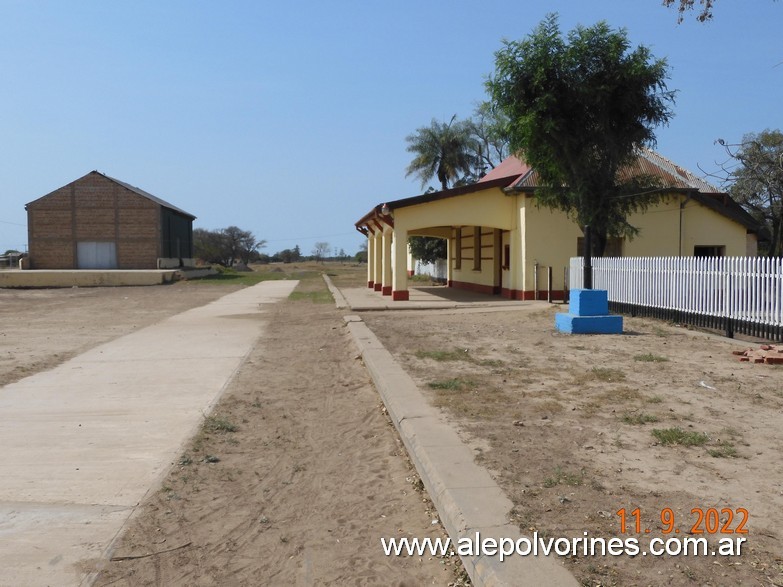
(96, 209)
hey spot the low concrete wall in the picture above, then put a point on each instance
(84, 278)
(175, 263)
(195, 273)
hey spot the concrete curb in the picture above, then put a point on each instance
(467, 498)
(339, 299)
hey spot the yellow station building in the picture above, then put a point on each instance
(501, 242)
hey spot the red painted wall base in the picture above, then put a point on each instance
(400, 295)
(386, 290)
(370, 284)
(476, 287)
(377, 287)
(509, 294)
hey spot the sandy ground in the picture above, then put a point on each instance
(41, 328)
(568, 428)
(293, 479)
(299, 473)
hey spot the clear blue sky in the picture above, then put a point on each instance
(289, 118)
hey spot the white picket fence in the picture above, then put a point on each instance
(735, 293)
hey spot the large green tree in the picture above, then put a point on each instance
(758, 182)
(442, 150)
(226, 245)
(579, 108)
(427, 249)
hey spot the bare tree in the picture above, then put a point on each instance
(320, 251)
(753, 175)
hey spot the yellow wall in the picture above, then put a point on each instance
(489, 209)
(549, 238)
(485, 275)
(659, 231)
(704, 227)
(486, 208)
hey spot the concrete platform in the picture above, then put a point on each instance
(364, 299)
(85, 442)
(84, 277)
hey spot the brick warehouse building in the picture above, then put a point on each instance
(98, 222)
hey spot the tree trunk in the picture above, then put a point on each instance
(775, 245)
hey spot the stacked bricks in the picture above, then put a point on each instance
(769, 354)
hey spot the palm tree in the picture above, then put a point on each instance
(442, 150)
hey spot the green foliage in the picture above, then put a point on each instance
(650, 358)
(562, 477)
(315, 296)
(287, 255)
(723, 450)
(462, 151)
(361, 254)
(454, 355)
(489, 129)
(639, 419)
(427, 249)
(441, 150)
(452, 384)
(758, 182)
(217, 424)
(605, 374)
(226, 245)
(231, 277)
(579, 109)
(679, 436)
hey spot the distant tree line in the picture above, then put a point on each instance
(321, 252)
(228, 246)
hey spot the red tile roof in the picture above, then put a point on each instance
(647, 163)
(510, 166)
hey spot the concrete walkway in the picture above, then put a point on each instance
(84, 443)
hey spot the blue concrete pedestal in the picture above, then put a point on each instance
(589, 314)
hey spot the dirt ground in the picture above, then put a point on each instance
(298, 473)
(294, 477)
(575, 428)
(41, 328)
